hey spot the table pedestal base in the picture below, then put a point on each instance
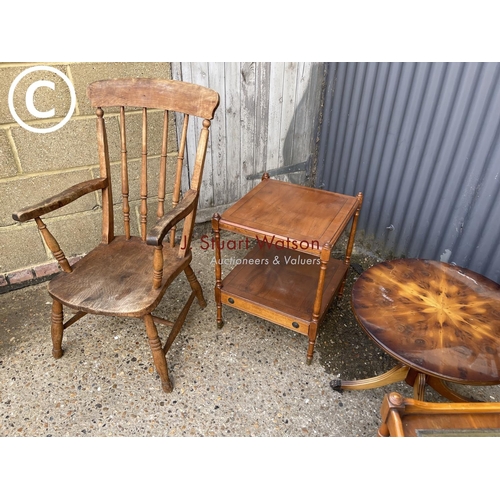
(399, 373)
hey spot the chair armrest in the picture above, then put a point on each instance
(168, 221)
(59, 200)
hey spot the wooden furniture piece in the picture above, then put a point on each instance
(128, 275)
(441, 322)
(288, 277)
(405, 417)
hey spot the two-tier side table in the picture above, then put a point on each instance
(288, 277)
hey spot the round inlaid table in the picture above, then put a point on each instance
(439, 321)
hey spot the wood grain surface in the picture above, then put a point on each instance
(282, 281)
(437, 318)
(406, 417)
(116, 279)
(177, 96)
(300, 218)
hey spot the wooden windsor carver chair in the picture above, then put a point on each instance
(128, 275)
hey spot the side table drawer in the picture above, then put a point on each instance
(290, 322)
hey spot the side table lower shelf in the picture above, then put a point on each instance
(280, 285)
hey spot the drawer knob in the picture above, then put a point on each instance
(295, 324)
(230, 300)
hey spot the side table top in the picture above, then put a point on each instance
(439, 319)
(299, 217)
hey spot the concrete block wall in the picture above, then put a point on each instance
(35, 166)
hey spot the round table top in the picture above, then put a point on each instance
(440, 319)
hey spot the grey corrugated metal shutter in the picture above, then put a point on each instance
(421, 140)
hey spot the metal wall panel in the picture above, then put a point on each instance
(421, 141)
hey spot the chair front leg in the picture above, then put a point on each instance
(57, 329)
(159, 358)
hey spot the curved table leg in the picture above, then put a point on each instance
(396, 374)
(419, 387)
(441, 387)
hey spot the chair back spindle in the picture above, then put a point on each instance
(144, 175)
(178, 172)
(163, 167)
(124, 170)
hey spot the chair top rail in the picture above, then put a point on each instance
(174, 95)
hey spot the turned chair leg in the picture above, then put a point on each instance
(159, 358)
(195, 286)
(57, 329)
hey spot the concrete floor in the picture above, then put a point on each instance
(247, 379)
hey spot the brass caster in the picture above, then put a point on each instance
(336, 385)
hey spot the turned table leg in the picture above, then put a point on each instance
(313, 328)
(218, 270)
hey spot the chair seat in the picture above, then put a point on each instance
(117, 279)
